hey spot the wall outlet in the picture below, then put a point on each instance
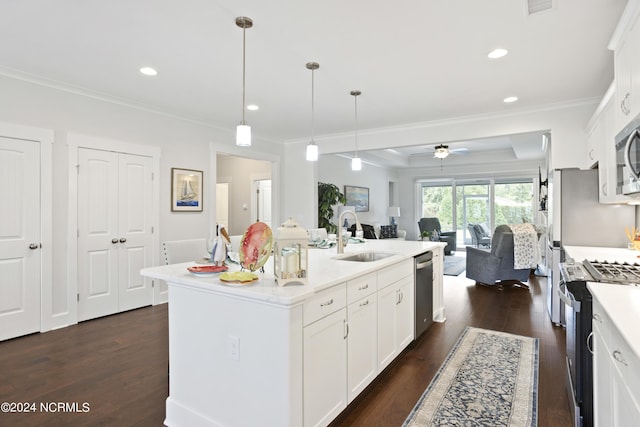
(234, 347)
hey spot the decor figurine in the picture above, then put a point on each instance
(290, 254)
(219, 247)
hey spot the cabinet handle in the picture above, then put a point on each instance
(618, 356)
(122, 240)
(114, 240)
(604, 189)
(596, 316)
(590, 342)
(362, 288)
(591, 154)
(33, 246)
(324, 304)
(346, 329)
(364, 303)
(399, 299)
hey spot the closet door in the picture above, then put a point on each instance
(134, 225)
(20, 254)
(114, 232)
(98, 234)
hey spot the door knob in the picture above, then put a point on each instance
(122, 240)
(114, 241)
(33, 246)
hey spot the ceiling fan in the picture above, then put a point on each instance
(441, 151)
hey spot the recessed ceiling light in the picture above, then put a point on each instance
(510, 99)
(497, 53)
(148, 71)
(252, 107)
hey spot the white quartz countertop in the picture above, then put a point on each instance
(622, 305)
(592, 253)
(324, 271)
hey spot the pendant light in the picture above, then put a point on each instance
(356, 162)
(312, 148)
(243, 131)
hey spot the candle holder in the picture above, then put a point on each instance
(290, 254)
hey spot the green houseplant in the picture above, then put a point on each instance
(329, 195)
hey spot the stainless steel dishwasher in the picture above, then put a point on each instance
(423, 292)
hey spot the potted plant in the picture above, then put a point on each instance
(329, 195)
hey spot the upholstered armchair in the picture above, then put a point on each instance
(480, 235)
(430, 224)
(492, 266)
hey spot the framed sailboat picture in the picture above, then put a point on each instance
(186, 190)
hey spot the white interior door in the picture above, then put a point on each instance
(134, 225)
(263, 197)
(114, 232)
(98, 237)
(222, 204)
(20, 254)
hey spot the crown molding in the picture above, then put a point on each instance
(455, 120)
(99, 96)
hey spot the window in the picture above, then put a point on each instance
(437, 201)
(493, 202)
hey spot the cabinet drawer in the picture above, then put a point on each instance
(626, 362)
(324, 303)
(392, 274)
(361, 287)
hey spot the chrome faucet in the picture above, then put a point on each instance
(341, 242)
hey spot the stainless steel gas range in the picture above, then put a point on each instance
(578, 315)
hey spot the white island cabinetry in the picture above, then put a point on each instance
(395, 312)
(287, 356)
(362, 340)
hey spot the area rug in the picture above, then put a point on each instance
(490, 378)
(454, 265)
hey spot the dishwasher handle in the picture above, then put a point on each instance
(424, 260)
(422, 265)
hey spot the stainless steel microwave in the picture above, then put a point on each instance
(628, 159)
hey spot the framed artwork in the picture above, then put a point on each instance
(186, 190)
(358, 197)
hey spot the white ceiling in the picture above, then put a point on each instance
(414, 61)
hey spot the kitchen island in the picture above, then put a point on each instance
(266, 355)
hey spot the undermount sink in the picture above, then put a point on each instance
(364, 256)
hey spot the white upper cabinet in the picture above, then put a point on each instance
(604, 146)
(626, 44)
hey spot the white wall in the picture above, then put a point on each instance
(183, 144)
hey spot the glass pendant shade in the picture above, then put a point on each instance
(243, 135)
(312, 152)
(356, 164)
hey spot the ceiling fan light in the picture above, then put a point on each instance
(356, 164)
(441, 152)
(312, 152)
(243, 135)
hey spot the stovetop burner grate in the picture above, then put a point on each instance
(615, 272)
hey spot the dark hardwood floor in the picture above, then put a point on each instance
(118, 364)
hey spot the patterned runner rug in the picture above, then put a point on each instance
(490, 378)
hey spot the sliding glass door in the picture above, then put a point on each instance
(493, 202)
(473, 208)
(437, 201)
